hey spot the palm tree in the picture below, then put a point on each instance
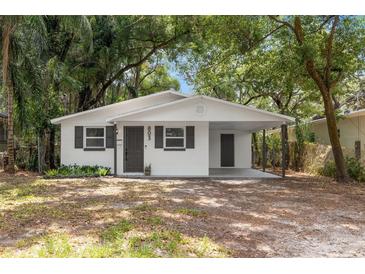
(8, 27)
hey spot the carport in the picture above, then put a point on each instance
(231, 150)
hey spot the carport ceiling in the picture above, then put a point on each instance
(250, 126)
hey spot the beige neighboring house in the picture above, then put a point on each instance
(351, 128)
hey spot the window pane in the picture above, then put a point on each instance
(174, 132)
(95, 132)
(95, 142)
(174, 142)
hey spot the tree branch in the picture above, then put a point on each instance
(275, 18)
(325, 21)
(265, 36)
(252, 98)
(121, 71)
(148, 74)
(329, 47)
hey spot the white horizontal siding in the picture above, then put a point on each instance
(191, 162)
(71, 155)
(242, 148)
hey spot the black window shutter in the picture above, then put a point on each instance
(158, 136)
(79, 137)
(110, 137)
(190, 137)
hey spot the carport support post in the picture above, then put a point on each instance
(115, 148)
(283, 149)
(263, 150)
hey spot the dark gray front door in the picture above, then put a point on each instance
(133, 149)
(227, 150)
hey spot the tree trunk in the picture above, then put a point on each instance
(9, 90)
(52, 140)
(324, 83)
(341, 172)
(42, 152)
(46, 144)
(84, 97)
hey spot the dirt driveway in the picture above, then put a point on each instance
(295, 217)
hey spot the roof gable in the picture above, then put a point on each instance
(201, 108)
(102, 113)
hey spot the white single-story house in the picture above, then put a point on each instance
(176, 134)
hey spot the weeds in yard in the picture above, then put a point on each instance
(144, 207)
(194, 212)
(27, 242)
(116, 232)
(163, 243)
(57, 246)
(38, 204)
(155, 220)
(205, 247)
(100, 251)
(120, 240)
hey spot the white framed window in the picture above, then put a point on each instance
(94, 137)
(174, 137)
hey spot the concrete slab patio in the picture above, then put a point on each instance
(245, 173)
(215, 173)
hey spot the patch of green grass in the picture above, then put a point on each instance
(164, 243)
(56, 246)
(101, 251)
(26, 214)
(35, 210)
(24, 192)
(116, 232)
(205, 247)
(138, 247)
(18, 193)
(144, 207)
(155, 220)
(27, 242)
(30, 189)
(194, 212)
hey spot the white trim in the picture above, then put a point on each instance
(285, 118)
(351, 114)
(62, 118)
(94, 137)
(183, 137)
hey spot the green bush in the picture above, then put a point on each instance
(78, 171)
(328, 170)
(355, 170)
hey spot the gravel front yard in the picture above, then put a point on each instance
(114, 217)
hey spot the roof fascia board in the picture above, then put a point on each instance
(58, 120)
(287, 118)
